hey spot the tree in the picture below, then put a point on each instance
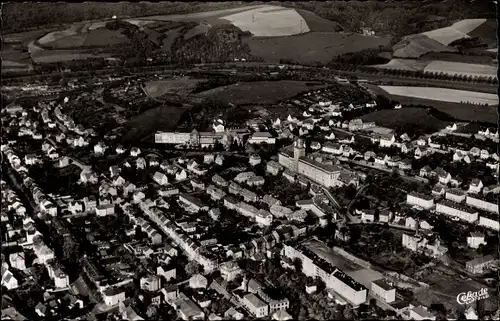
(297, 263)
(193, 268)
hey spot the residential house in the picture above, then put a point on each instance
(387, 140)
(135, 151)
(367, 215)
(256, 306)
(479, 264)
(455, 195)
(475, 240)
(425, 171)
(182, 175)
(140, 163)
(443, 176)
(113, 296)
(421, 313)
(438, 190)
(474, 151)
(475, 186)
(160, 179)
(385, 216)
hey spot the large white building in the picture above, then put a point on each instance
(455, 195)
(489, 223)
(383, 290)
(481, 203)
(297, 162)
(335, 279)
(463, 212)
(419, 199)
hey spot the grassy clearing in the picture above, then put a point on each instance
(198, 30)
(443, 94)
(160, 88)
(260, 92)
(310, 47)
(164, 118)
(408, 116)
(270, 21)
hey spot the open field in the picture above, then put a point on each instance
(406, 116)
(464, 112)
(443, 94)
(415, 46)
(269, 21)
(458, 68)
(160, 88)
(259, 92)
(164, 118)
(316, 23)
(458, 30)
(310, 47)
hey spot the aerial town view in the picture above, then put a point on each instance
(241, 160)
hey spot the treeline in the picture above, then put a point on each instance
(363, 57)
(24, 16)
(415, 74)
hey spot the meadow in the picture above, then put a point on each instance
(311, 47)
(462, 112)
(259, 92)
(443, 94)
(407, 116)
(158, 88)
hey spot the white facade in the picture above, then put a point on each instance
(482, 204)
(455, 196)
(381, 289)
(113, 296)
(421, 200)
(356, 295)
(457, 210)
(489, 223)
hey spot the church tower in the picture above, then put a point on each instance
(299, 149)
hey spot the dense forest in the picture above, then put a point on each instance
(396, 18)
(22, 16)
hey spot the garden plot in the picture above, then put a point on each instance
(443, 94)
(269, 22)
(458, 68)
